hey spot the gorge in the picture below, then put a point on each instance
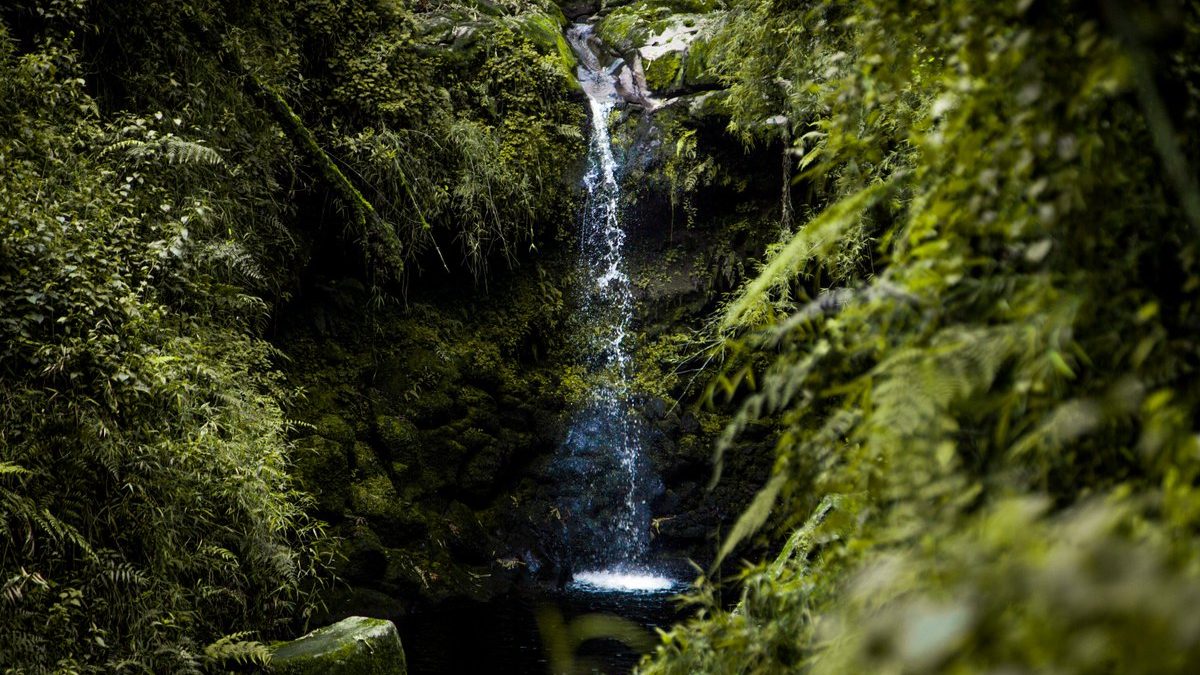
(569, 336)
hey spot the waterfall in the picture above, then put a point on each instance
(610, 517)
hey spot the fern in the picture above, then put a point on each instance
(182, 151)
(815, 239)
(992, 355)
(235, 649)
(171, 148)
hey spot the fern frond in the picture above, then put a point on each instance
(125, 144)
(235, 649)
(817, 238)
(753, 518)
(10, 469)
(181, 151)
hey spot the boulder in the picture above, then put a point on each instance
(664, 53)
(354, 646)
(398, 439)
(335, 428)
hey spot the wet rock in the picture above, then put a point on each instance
(656, 408)
(667, 54)
(354, 646)
(577, 9)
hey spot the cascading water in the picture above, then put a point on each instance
(610, 519)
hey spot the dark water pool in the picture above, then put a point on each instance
(539, 630)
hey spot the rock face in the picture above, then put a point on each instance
(659, 49)
(353, 646)
(429, 433)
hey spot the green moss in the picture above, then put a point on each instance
(374, 496)
(432, 408)
(335, 428)
(624, 29)
(477, 439)
(664, 72)
(545, 30)
(353, 646)
(365, 461)
(397, 435)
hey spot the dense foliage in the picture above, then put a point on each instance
(168, 170)
(975, 340)
(145, 500)
(979, 347)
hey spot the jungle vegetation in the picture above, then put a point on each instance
(975, 338)
(166, 171)
(978, 347)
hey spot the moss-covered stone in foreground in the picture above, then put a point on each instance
(354, 646)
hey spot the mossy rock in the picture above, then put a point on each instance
(442, 447)
(374, 496)
(712, 104)
(364, 557)
(697, 71)
(393, 517)
(366, 463)
(624, 29)
(476, 439)
(432, 408)
(665, 72)
(335, 428)
(398, 437)
(354, 646)
(479, 474)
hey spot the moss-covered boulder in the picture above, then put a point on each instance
(667, 50)
(335, 428)
(663, 73)
(354, 646)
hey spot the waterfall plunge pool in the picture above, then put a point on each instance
(518, 632)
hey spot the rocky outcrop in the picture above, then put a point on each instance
(419, 429)
(658, 50)
(353, 646)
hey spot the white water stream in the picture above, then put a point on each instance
(608, 304)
